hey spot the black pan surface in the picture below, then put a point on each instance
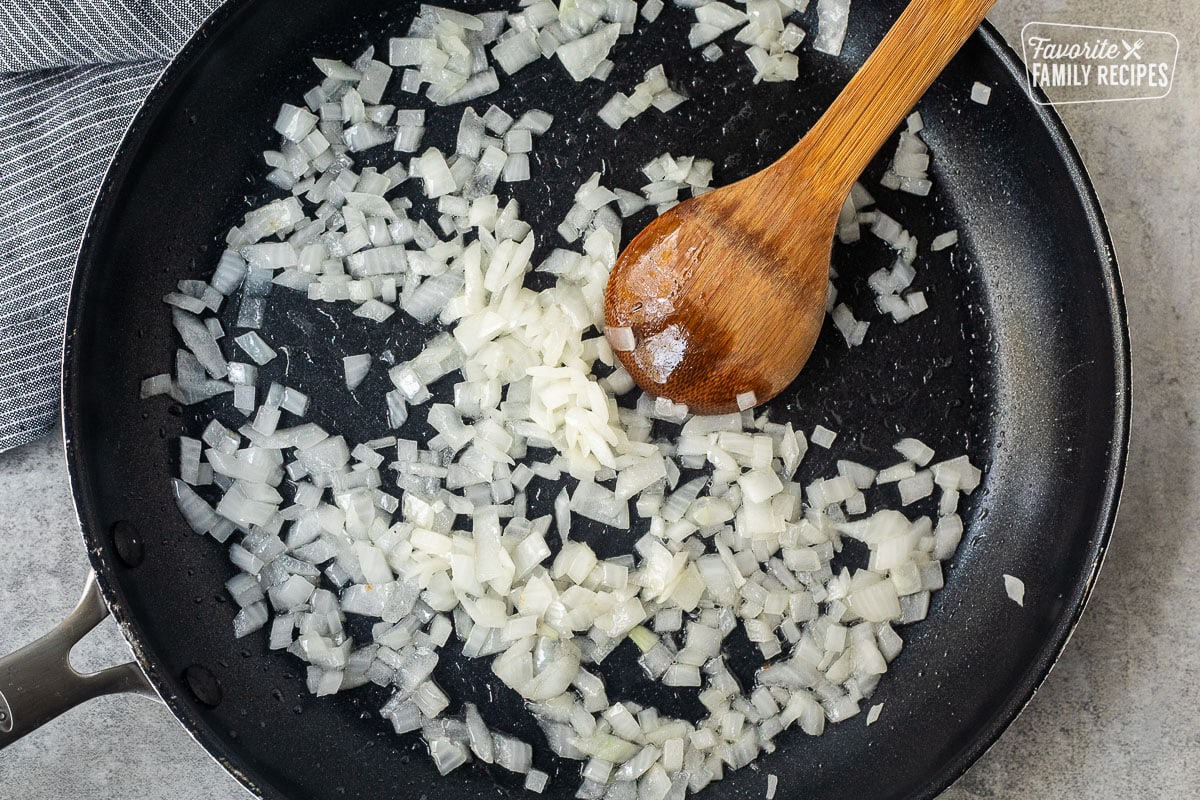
(1021, 362)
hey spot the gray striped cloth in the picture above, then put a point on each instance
(72, 74)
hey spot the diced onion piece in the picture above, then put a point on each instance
(832, 16)
(944, 240)
(356, 369)
(822, 437)
(1015, 588)
(536, 780)
(914, 450)
(254, 346)
(915, 487)
(582, 56)
(447, 755)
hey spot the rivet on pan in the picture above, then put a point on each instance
(128, 542)
(204, 685)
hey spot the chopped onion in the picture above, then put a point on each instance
(1015, 588)
(254, 346)
(915, 487)
(356, 369)
(944, 240)
(822, 437)
(582, 56)
(536, 780)
(745, 544)
(832, 16)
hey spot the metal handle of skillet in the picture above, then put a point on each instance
(38, 683)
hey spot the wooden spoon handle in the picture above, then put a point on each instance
(912, 54)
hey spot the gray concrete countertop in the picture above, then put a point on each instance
(1115, 720)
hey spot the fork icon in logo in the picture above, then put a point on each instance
(1132, 49)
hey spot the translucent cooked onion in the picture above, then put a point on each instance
(431, 536)
(1015, 588)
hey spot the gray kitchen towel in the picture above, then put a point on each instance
(72, 75)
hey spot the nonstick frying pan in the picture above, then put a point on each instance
(1022, 362)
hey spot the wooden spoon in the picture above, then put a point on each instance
(725, 293)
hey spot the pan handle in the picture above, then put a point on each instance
(38, 683)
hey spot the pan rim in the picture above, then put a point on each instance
(986, 736)
(1110, 504)
(131, 629)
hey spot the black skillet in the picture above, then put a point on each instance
(1022, 362)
